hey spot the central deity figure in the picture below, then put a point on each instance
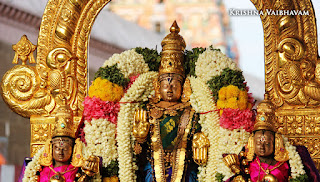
(167, 127)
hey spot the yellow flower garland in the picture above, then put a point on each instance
(105, 90)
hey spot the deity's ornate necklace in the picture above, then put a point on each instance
(268, 176)
(179, 152)
(59, 175)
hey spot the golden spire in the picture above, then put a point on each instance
(265, 116)
(64, 121)
(172, 56)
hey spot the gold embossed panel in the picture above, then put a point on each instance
(292, 72)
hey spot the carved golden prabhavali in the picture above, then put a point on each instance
(292, 68)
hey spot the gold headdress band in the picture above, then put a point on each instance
(172, 57)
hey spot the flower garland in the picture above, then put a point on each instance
(139, 92)
(211, 63)
(129, 62)
(295, 161)
(94, 108)
(105, 90)
(202, 101)
(30, 174)
(101, 139)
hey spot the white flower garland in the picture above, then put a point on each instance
(129, 62)
(138, 92)
(202, 101)
(295, 161)
(230, 142)
(33, 167)
(100, 137)
(211, 63)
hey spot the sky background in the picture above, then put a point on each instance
(248, 33)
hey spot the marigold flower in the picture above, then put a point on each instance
(105, 90)
(232, 91)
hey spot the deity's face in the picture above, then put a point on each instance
(62, 149)
(264, 143)
(171, 88)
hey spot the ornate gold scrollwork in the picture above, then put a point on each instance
(21, 88)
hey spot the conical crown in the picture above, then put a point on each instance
(172, 57)
(265, 116)
(64, 121)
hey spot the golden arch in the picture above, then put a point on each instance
(291, 72)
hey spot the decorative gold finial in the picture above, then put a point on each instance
(174, 27)
(172, 55)
(64, 121)
(265, 116)
(24, 50)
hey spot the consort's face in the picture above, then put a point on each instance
(62, 151)
(170, 89)
(264, 143)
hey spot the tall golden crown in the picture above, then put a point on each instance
(172, 57)
(64, 121)
(265, 116)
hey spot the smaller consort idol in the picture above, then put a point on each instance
(61, 159)
(269, 157)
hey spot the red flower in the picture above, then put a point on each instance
(235, 119)
(96, 108)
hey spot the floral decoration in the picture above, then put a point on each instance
(296, 166)
(212, 63)
(112, 74)
(95, 108)
(105, 90)
(30, 174)
(101, 139)
(128, 62)
(139, 91)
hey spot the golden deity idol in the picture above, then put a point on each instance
(165, 128)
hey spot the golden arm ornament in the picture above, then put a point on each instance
(200, 145)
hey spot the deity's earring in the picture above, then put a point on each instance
(186, 91)
(77, 156)
(156, 98)
(250, 148)
(46, 157)
(280, 152)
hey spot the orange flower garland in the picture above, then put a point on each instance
(232, 97)
(105, 90)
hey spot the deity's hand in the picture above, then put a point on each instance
(90, 168)
(200, 145)
(141, 125)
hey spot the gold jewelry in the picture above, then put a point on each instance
(46, 157)
(187, 91)
(280, 152)
(77, 156)
(58, 176)
(250, 148)
(267, 172)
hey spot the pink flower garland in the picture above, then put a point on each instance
(235, 119)
(96, 108)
